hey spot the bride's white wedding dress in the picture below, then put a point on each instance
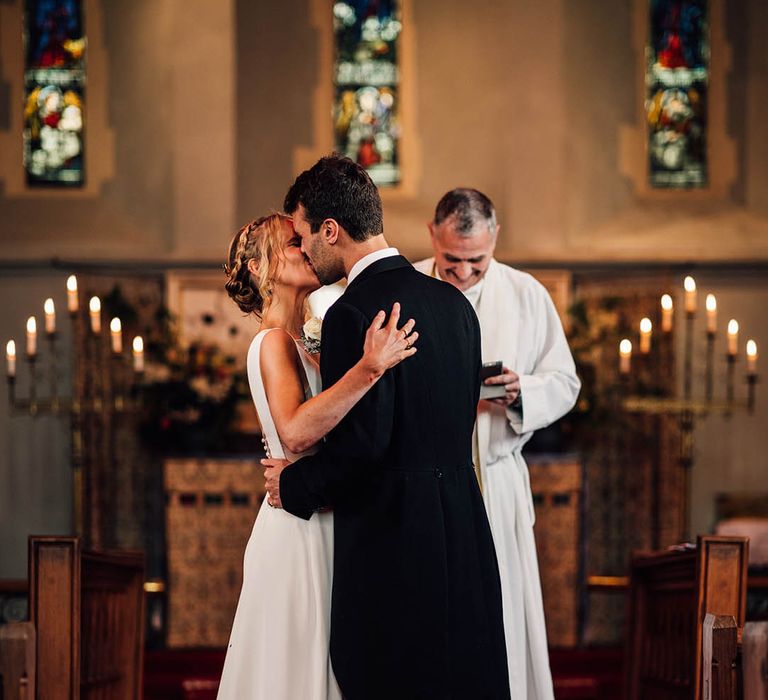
(278, 647)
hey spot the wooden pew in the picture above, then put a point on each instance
(720, 658)
(17, 661)
(671, 594)
(87, 609)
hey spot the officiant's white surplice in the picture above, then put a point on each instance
(520, 326)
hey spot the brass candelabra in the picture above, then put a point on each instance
(687, 407)
(103, 377)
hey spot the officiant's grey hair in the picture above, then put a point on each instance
(468, 207)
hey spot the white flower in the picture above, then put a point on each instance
(311, 333)
(313, 328)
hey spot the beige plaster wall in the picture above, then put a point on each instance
(214, 105)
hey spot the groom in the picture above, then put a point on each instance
(416, 610)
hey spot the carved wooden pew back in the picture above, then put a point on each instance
(87, 610)
(671, 594)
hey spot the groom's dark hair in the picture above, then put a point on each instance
(338, 188)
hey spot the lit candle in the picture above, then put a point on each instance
(95, 307)
(751, 358)
(711, 314)
(733, 337)
(138, 354)
(116, 329)
(31, 336)
(666, 313)
(690, 294)
(646, 328)
(72, 294)
(50, 317)
(10, 356)
(625, 355)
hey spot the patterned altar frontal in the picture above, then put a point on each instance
(557, 486)
(211, 507)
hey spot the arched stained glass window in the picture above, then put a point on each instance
(677, 78)
(366, 98)
(54, 92)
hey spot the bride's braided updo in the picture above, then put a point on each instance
(260, 240)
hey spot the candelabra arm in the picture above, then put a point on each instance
(730, 379)
(33, 404)
(688, 358)
(710, 365)
(54, 375)
(751, 390)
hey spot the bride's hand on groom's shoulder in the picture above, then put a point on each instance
(272, 471)
(386, 345)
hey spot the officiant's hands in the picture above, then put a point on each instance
(274, 468)
(511, 382)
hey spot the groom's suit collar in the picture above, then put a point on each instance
(392, 262)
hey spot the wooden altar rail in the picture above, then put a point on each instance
(85, 638)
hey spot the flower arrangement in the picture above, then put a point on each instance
(190, 392)
(190, 395)
(597, 324)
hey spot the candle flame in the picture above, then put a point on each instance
(666, 302)
(138, 344)
(733, 327)
(10, 349)
(752, 349)
(48, 307)
(646, 326)
(72, 283)
(711, 302)
(115, 326)
(94, 305)
(625, 346)
(690, 284)
(31, 325)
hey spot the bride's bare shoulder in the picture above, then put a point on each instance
(278, 353)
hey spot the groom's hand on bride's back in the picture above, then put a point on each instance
(274, 468)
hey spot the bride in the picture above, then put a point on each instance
(278, 647)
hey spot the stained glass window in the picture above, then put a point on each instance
(366, 100)
(54, 91)
(677, 76)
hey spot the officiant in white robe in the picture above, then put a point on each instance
(519, 326)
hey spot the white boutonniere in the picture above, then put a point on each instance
(311, 334)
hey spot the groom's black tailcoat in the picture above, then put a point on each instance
(416, 610)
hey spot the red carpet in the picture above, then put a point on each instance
(579, 674)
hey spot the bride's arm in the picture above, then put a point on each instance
(301, 424)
